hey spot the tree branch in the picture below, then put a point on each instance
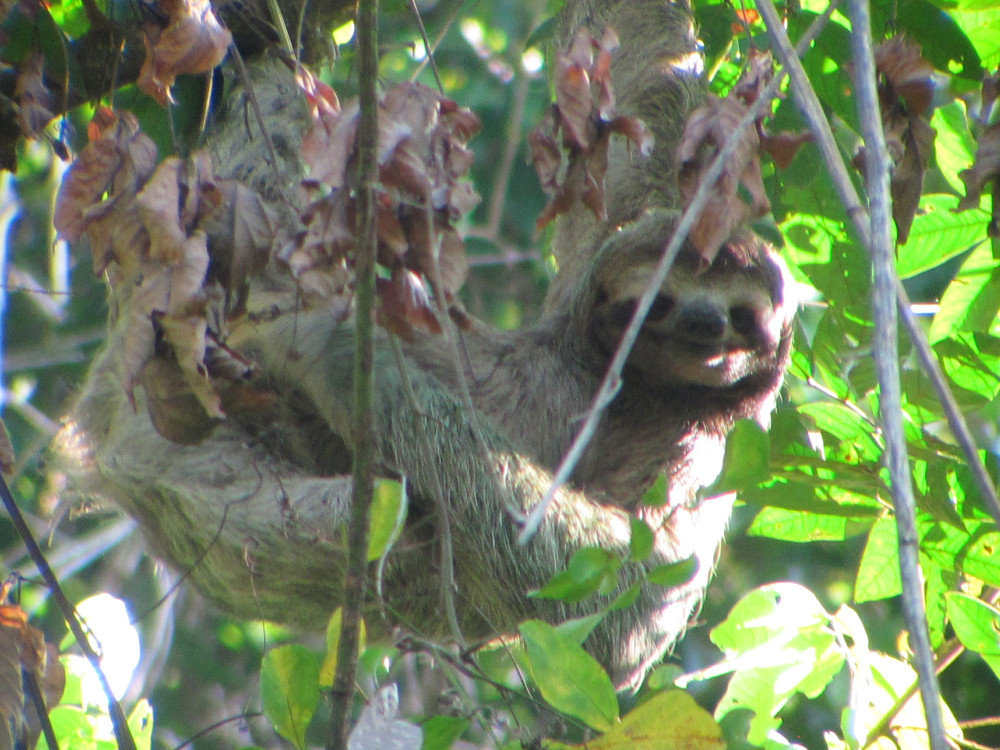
(364, 378)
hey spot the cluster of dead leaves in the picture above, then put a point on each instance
(190, 40)
(422, 158)
(905, 90)
(584, 114)
(986, 167)
(706, 131)
(183, 243)
(27, 665)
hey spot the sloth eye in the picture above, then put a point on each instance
(743, 319)
(660, 308)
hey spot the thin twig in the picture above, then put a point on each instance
(885, 341)
(876, 234)
(612, 378)
(118, 722)
(512, 144)
(427, 45)
(364, 377)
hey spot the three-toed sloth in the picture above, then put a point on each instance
(255, 514)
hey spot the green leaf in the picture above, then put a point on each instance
(656, 496)
(568, 677)
(674, 574)
(440, 732)
(580, 628)
(640, 544)
(778, 641)
(591, 570)
(939, 234)
(981, 558)
(747, 459)
(333, 628)
(971, 301)
(982, 27)
(140, 723)
(954, 148)
(388, 513)
(799, 526)
(878, 574)
(976, 623)
(72, 728)
(289, 690)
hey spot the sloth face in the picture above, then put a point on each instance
(713, 327)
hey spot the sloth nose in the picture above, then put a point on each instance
(701, 321)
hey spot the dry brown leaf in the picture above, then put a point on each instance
(545, 151)
(422, 158)
(909, 76)
(6, 450)
(32, 96)
(117, 161)
(782, 147)
(906, 89)
(985, 168)
(758, 73)
(23, 649)
(241, 232)
(705, 132)
(193, 42)
(11, 687)
(584, 114)
(907, 181)
(169, 294)
(574, 98)
(404, 305)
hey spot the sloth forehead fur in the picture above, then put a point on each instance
(708, 326)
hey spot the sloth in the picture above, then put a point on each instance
(254, 515)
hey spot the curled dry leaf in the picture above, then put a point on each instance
(783, 146)
(32, 96)
(182, 253)
(584, 114)
(23, 650)
(985, 168)
(908, 77)
(905, 88)
(117, 161)
(706, 131)
(422, 158)
(193, 42)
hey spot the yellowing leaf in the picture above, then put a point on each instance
(668, 721)
(329, 666)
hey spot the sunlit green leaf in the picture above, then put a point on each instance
(747, 460)
(333, 628)
(289, 690)
(388, 512)
(674, 574)
(440, 732)
(971, 301)
(640, 543)
(878, 573)
(568, 677)
(939, 234)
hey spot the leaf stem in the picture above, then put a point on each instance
(364, 377)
